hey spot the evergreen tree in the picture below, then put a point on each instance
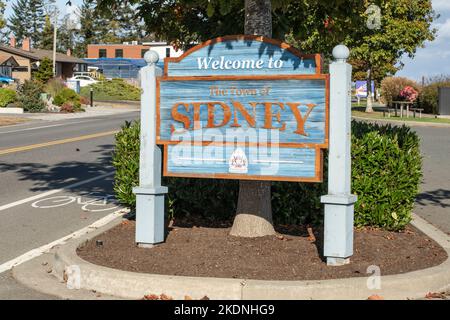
(129, 25)
(3, 36)
(88, 27)
(65, 35)
(27, 20)
(103, 27)
(18, 22)
(45, 71)
(37, 21)
(47, 35)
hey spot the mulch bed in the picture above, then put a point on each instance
(198, 247)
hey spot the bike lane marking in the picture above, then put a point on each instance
(87, 202)
(45, 248)
(52, 192)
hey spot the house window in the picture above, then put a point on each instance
(80, 67)
(102, 53)
(167, 52)
(143, 51)
(6, 71)
(20, 69)
(119, 53)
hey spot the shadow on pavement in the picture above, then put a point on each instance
(439, 197)
(47, 177)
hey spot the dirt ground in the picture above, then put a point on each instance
(7, 121)
(196, 247)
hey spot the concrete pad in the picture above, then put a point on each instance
(11, 110)
(36, 274)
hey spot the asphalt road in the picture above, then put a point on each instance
(433, 202)
(56, 166)
(37, 160)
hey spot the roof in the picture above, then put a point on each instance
(39, 54)
(6, 59)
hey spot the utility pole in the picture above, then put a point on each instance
(54, 44)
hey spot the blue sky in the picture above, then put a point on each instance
(433, 59)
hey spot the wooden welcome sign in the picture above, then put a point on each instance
(243, 107)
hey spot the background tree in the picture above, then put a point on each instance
(27, 20)
(36, 16)
(17, 22)
(87, 32)
(3, 35)
(105, 26)
(404, 26)
(66, 35)
(47, 35)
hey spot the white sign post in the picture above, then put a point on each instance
(339, 203)
(150, 193)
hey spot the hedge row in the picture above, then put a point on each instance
(386, 171)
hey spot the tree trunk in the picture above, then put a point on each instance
(254, 209)
(369, 107)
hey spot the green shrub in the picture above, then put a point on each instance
(116, 89)
(69, 97)
(186, 196)
(429, 97)
(391, 87)
(7, 96)
(29, 96)
(386, 171)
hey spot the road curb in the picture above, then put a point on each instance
(407, 123)
(130, 285)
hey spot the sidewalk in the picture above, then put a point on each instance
(103, 109)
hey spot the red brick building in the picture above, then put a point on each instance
(131, 50)
(128, 51)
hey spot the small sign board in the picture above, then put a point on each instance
(243, 107)
(361, 88)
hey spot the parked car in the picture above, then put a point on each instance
(5, 79)
(84, 80)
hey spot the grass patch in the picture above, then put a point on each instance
(112, 90)
(379, 116)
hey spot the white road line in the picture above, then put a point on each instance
(49, 126)
(45, 248)
(51, 192)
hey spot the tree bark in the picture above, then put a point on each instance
(254, 209)
(369, 107)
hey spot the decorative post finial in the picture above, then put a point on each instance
(151, 57)
(341, 53)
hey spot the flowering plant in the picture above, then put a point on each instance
(408, 93)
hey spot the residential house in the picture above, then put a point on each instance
(19, 63)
